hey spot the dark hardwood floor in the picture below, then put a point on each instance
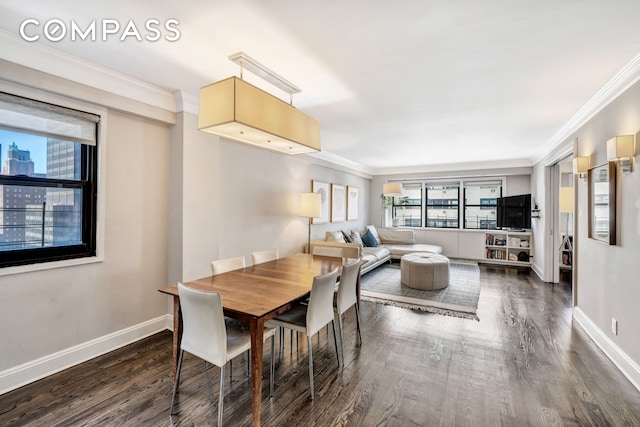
(524, 363)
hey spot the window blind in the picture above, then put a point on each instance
(51, 121)
(482, 183)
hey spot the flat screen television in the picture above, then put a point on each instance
(514, 212)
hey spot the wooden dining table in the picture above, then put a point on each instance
(254, 295)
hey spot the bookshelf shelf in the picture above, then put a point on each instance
(508, 247)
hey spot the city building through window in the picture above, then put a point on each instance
(48, 182)
(434, 204)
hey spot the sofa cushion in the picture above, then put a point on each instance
(399, 250)
(369, 239)
(396, 236)
(379, 252)
(334, 236)
(346, 237)
(370, 259)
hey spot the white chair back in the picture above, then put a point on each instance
(320, 308)
(346, 296)
(259, 257)
(204, 333)
(327, 251)
(227, 264)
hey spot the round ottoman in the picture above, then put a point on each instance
(424, 270)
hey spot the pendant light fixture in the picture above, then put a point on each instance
(237, 110)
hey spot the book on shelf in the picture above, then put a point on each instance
(496, 254)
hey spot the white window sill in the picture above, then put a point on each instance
(21, 269)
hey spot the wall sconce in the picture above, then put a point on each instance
(581, 166)
(621, 149)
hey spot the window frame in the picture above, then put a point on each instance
(18, 260)
(397, 204)
(441, 206)
(481, 206)
(462, 184)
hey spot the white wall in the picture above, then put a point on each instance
(609, 275)
(48, 311)
(539, 225)
(238, 199)
(606, 283)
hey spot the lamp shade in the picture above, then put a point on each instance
(237, 110)
(391, 189)
(620, 147)
(580, 165)
(310, 205)
(566, 199)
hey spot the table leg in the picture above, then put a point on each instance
(257, 342)
(177, 333)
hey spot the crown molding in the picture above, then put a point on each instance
(333, 161)
(620, 82)
(449, 167)
(186, 102)
(61, 64)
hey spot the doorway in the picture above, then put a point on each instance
(562, 183)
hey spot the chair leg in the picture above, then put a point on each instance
(175, 386)
(341, 337)
(310, 366)
(273, 345)
(230, 370)
(221, 397)
(335, 340)
(358, 322)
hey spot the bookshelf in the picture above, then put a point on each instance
(508, 247)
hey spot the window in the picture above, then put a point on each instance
(407, 209)
(48, 182)
(442, 205)
(480, 204)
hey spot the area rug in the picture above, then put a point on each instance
(460, 299)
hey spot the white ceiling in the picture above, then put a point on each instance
(406, 84)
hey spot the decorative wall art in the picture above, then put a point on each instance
(322, 188)
(338, 203)
(352, 203)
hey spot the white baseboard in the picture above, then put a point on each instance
(34, 370)
(536, 269)
(627, 366)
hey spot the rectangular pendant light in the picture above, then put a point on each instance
(237, 110)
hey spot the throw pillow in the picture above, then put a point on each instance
(374, 232)
(334, 236)
(369, 240)
(355, 237)
(346, 237)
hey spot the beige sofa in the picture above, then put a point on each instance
(392, 244)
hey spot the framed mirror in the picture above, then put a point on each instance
(602, 203)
